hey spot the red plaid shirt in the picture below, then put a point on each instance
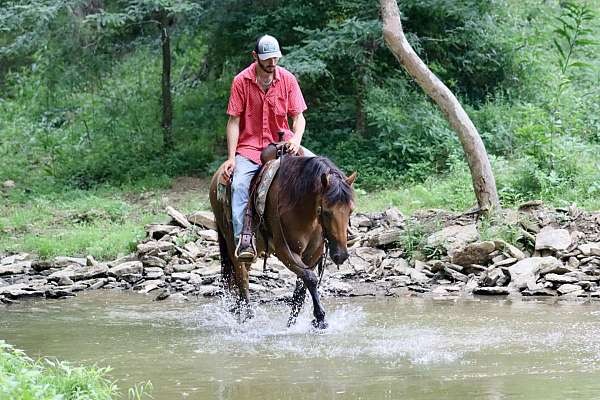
(263, 115)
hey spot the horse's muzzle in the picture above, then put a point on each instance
(339, 257)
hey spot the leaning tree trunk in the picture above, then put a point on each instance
(167, 104)
(479, 164)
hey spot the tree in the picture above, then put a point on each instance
(484, 183)
(162, 14)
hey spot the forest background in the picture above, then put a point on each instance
(83, 154)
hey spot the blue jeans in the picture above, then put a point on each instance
(240, 187)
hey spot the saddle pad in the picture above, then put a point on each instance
(268, 172)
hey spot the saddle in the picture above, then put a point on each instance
(259, 187)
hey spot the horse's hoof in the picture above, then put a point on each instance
(319, 324)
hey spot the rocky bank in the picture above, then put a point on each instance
(552, 252)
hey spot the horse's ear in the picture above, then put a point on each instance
(350, 180)
(325, 180)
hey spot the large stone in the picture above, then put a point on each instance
(453, 236)
(153, 261)
(511, 250)
(154, 272)
(473, 253)
(361, 220)
(394, 217)
(555, 278)
(14, 269)
(205, 219)
(528, 270)
(178, 217)
(494, 277)
(552, 239)
(154, 247)
(78, 272)
(385, 238)
(208, 235)
(65, 261)
(590, 249)
(358, 264)
(156, 231)
(568, 288)
(492, 290)
(128, 268)
(338, 287)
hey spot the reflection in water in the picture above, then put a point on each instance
(374, 348)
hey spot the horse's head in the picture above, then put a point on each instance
(333, 210)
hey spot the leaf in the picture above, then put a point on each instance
(580, 64)
(560, 50)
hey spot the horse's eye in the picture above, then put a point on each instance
(327, 213)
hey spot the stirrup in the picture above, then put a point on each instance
(248, 253)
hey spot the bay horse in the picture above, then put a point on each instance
(308, 205)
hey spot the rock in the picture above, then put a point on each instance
(16, 258)
(358, 264)
(208, 235)
(473, 253)
(555, 278)
(9, 184)
(184, 267)
(393, 217)
(494, 277)
(193, 249)
(66, 261)
(155, 246)
(370, 255)
(65, 281)
(539, 292)
(385, 238)
(401, 267)
(510, 249)
(568, 288)
(361, 220)
(205, 219)
(556, 268)
(162, 295)
(153, 261)
(453, 236)
(455, 275)
(178, 217)
(209, 290)
(552, 239)
(506, 262)
(131, 267)
(210, 269)
(157, 231)
(78, 272)
(528, 270)
(183, 276)
(491, 290)
(153, 272)
(14, 269)
(590, 249)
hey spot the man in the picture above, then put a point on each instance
(262, 97)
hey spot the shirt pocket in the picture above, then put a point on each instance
(278, 104)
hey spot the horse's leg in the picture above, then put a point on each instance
(241, 279)
(297, 301)
(311, 281)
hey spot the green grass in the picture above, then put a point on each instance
(25, 379)
(104, 223)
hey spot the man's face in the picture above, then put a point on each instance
(267, 65)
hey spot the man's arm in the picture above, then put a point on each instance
(298, 125)
(233, 134)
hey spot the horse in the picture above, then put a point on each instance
(308, 205)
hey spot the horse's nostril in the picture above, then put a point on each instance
(339, 258)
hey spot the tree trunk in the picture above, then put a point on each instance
(167, 104)
(484, 183)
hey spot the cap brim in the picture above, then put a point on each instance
(266, 56)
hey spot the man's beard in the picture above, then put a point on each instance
(265, 69)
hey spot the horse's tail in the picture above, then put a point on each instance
(226, 263)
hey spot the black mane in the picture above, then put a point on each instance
(302, 176)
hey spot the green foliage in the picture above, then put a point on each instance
(22, 378)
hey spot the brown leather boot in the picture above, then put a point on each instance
(246, 249)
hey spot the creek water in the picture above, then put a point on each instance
(384, 348)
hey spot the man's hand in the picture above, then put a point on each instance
(228, 168)
(292, 146)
